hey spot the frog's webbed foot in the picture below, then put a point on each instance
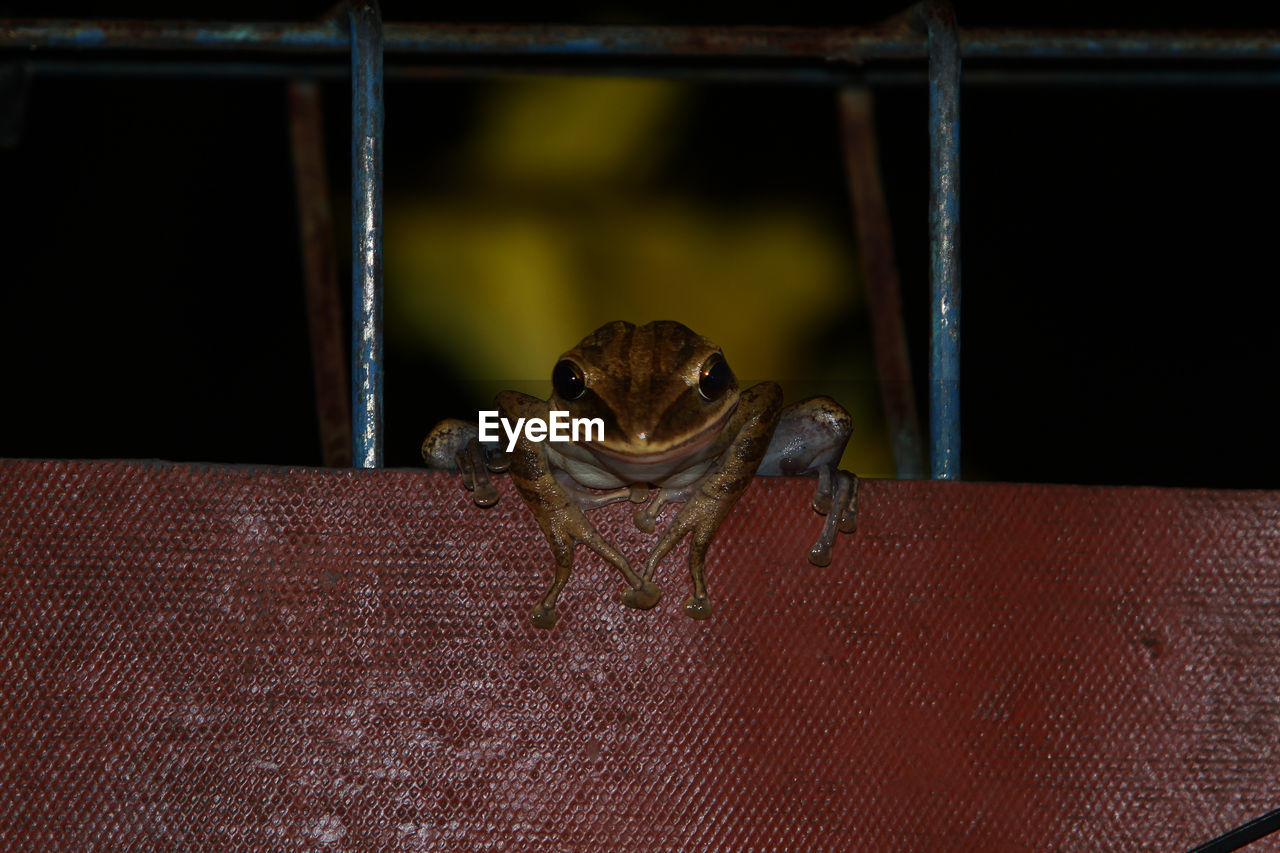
(697, 608)
(454, 445)
(837, 499)
(543, 616)
(642, 597)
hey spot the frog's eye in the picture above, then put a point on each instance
(715, 379)
(567, 380)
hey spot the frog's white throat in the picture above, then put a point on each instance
(594, 465)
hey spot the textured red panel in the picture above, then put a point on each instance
(265, 658)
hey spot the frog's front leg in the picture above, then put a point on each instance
(561, 519)
(810, 439)
(746, 438)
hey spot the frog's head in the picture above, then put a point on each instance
(662, 391)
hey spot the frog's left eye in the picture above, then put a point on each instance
(567, 380)
(715, 379)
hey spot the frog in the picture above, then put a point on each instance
(677, 428)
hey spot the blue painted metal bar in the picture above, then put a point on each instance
(366, 233)
(944, 241)
(839, 45)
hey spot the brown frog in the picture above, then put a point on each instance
(676, 428)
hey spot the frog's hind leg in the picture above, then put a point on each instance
(544, 612)
(475, 475)
(454, 445)
(698, 604)
(810, 439)
(839, 489)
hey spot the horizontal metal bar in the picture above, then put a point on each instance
(340, 69)
(1166, 45)
(462, 39)
(662, 43)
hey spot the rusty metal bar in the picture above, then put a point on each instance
(827, 75)
(319, 264)
(414, 69)
(884, 297)
(662, 43)
(15, 82)
(944, 241)
(658, 42)
(366, 233)
(1166, 45)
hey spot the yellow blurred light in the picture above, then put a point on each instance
(554, 228)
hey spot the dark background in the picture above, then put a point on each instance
(1119, 293)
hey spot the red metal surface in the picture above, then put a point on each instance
(202, 658)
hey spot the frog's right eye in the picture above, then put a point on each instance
(715, 379)
(567, 380)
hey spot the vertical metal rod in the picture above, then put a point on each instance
(15, 84)
(319, 265)
(366, 232)
(884, 297)
(944, 241)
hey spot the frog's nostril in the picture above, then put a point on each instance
(638, 432)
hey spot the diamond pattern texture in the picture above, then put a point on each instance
(261, 658)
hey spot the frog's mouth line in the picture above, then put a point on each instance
(689, 446)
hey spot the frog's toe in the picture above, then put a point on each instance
(486, 493)
(542, 616)
(697, 608)
(841, 512)
(642, 597)
(820, 553)
(849, 515)
(497, 460)
(645, 523)
(849, 520)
